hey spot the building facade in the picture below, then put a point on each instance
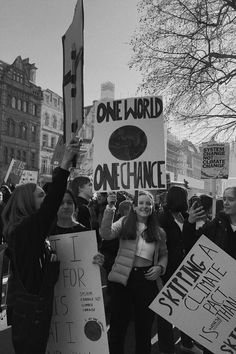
(20, 111)
(51, 129)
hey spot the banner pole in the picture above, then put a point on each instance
(213, 185)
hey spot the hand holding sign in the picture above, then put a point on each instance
(71, 150)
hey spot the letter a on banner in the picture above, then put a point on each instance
(73, 61)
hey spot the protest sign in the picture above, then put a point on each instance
(29, 177)
(14, 172)
(200, 297)
(129, 146)
(73, 62)
(215, 160)
(78, 324)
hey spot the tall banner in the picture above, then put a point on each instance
(129, 145)
(215, 160)
(73, 61)
(78, 324)
(200, 297)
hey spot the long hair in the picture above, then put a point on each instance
(129, 229)
(20, 205)
(177, 199)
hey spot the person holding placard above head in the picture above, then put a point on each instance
(141, 259)
(221, 230)
(27, 219)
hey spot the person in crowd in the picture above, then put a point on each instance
(141, 259)
(65, 222)
(172, 220)
(221, 230)
(81, 187)
(27, 219)
(97, 206)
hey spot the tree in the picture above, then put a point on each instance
(186, 50)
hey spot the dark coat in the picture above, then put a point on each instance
(174, 242)
(83, 214)
(218, 230)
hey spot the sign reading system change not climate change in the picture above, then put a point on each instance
(129, 149)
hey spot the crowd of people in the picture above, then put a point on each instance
(140, 247)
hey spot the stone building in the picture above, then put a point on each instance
(20, 110)
(51, 129)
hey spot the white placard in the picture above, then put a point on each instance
(78, 324)
(215, 160)
(129, 146)
(200, 298)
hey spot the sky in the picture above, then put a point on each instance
(33, 29)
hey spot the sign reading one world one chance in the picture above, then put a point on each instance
(129, 147)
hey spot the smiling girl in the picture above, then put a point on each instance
(141, 259)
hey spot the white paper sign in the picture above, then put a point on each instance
(78, 324)
(129, 146)
(200, 298)
(215, 160)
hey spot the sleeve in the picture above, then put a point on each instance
(38, 224)
(162, 258)
(108, 229)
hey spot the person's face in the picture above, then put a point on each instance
(144, 207)
(229, 202)
(101, 198)
(67, 207)
(87, 189)
(39, 196)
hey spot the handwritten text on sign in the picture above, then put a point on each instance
(129, 149)
(200, 298)
(78, 323)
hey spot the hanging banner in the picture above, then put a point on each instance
(215, 160)
(129, 145)
(200, 297)
(78, 324)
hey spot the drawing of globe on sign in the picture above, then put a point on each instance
(127, 143)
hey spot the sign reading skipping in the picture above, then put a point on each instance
(129, 147)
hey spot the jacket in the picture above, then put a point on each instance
(127, 248)
(218, 231)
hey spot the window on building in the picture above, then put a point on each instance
(61, 125)
(5, 153)
(33, 133)
(23, 131)
(32, 158)
(45, 140)
(54, 121)
(34, 109)
(47, 98)
(12, 128)
(13, 102)
(25, 106)
(46, 119)
(44, 166)
(12, 153)
(55, 102)
(23, 156)
(19, 104)
(53, 142)
(18, 155)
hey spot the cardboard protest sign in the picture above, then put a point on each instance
(29, 177)
(215, 160)
(78, 324)
(200, 298)
(14, 172)
(129, 147)
(73, 62)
